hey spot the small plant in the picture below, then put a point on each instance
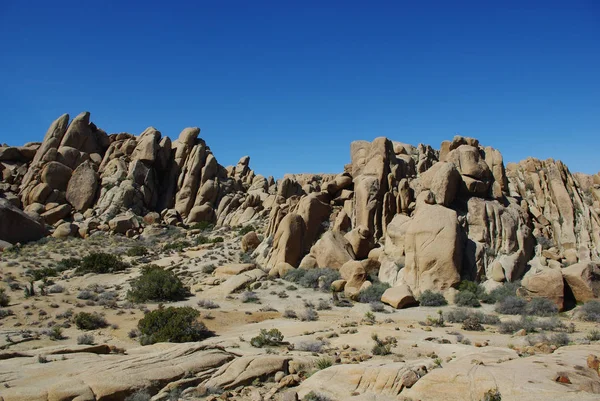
(203, 226)
(172, 324)
(40, 274)
(245, 230)
(492, 395)
(324, 305)
(498, 294)
(369, 318)
(56, 333)
(313, 396)
(430, 298)
(511, 305)
(467, 298)
(373, 293)
(90, 321)
(266, 338)
(249, 297)
(289, 314)
(377, 307)
(101, 263)
(323, 363)
(310, 346)
(85, 339)
(593, 335)
(541, 307)
(590, 311)
(157, 284)
(177, 246)
(472, 324)
(309, 315)
(68, 264)
(382, 347)
(137, 250)
(208, 304)
(141, 395)
(560, 339)
(313, 278)
(436, 322)
(459, 315)
(42, 359)
(4, 298)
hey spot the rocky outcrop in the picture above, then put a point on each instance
(17, 226)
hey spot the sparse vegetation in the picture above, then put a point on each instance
(511, 305)
(176, 246)
(202, 225)
(270, 338)
(382, 346)
(492, 395)
(313, 278)
(249, 297)
(4, 298)
(157, 284)
(137, 250)
(172, 324)
(590, 311)
(467, 298)
(459, 315)
(245, 230)
(208, 304)
(373, 293)
(506, 290)
(323, 363)
(308, 315)
(87, 339)
(313, 396)
(430, 298)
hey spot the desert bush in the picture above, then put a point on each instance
(506, 290)
(313, 396)
(216, 240)
(137, 250)
(172, 324)
(266, 338)
(472, 324)
(511, 305)
(208, 304)
(590, 311)
(459, 315)
(202, 225)
(142, 395)
(157, 284)
(90, 321)
(4, 298)
(541, 307)
(86, 294)
(177, 246)
(249, 297)
(430, 298)
(323, 305)
(377, 307)
(560, 339)
(40, 274)
(68, 264)
(310, 346)
(308, 315)
(593, 335)
(56, 333)
(87, 339)
(101, 263)
(373, 293)
(467, 298)
(313, 278)
(323, 363)
(245, 230)
(56, 289)
(492, 395)
(382, 346)
(289, 314)
(526, 323)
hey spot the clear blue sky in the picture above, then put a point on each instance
(292, 83)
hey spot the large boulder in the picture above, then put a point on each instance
(361, 240)
(82, 188)
(399, 297)
(250, 241)
(433, 248)
(584, 280)
(544, 282)
(443, 179)
(332, 250)
(288, 242)
(17, 226)
(56, 175)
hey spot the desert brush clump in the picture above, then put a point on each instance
(172, 324)
(267, 338)
(430, 298)
(90, 321)
(4, 298)
(373, 293)
(382, 346)
(100, 263)
(459, 315)
(157, 284)
(590, 311)
(320, 278)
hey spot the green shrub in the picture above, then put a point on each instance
(266, 338)
(216, 240)
(492, 395)
(177, 246)
(430, 298)
(87, 339)
(470, 286)
(172, 324)
(157, 284)
(590, 311)
(541, 307)
(90, 321)
(313, 278)
(202, 225)
(40, 274)
(323, 363)
(459, 315)
(246, 229)
(382, 346)
(137, 250)
(373, 293)
(4, 298)
(498, 294)
(101, 263)
(68, 264)
(472, 324)
(511, 305)
(467, 298)
(593, 335)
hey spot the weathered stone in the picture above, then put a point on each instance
(81, 191)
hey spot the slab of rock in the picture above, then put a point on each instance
(243, 371)
(233, 269)
(236, 283)
(18, 226)
(584, 280)
(81, 191)
(90, 376)
(250, 241)
(544, 282)
(399, 297)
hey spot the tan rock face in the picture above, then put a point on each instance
(18, 226)
(288, 241)
(81, 192)
(584, 280)
(433, 249)
(544, 282)
(332, 250)
(399, 297)
(250, 241)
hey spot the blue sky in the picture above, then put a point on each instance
(292, 83)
